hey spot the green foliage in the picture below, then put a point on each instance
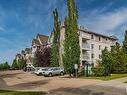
(8, 92)
(114, 61)
(125, 43)
(4, 66)
(15, 64)
(19, 65)
(22, 63)
(71, 44)
(106, 61)
(104, 65)
(55, 57)
(99, 70)
(119, 59)
(111, 77)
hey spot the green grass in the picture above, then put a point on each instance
(113, 76)
(8, 92)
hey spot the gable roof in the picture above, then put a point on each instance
(43, 38)
(35, 41)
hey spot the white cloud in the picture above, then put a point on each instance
(106, 22)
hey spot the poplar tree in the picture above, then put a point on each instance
(125, 43)
(124, 50)
(55, 57)
(71, 44)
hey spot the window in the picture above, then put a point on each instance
(99, 47)
(99, 56)
(99, 38)
(92, 36)
(92, 46)
(92, 55)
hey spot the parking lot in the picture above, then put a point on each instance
(57, 85)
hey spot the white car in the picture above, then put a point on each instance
(40, 70)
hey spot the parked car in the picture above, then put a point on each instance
(54, 71)
(40, 70)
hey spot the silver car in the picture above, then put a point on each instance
(54, 71)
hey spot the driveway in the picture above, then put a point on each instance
(59, 85)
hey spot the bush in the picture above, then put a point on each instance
(99, 71)
(4, 66)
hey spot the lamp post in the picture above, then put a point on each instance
(76, 70)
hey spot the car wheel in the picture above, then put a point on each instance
(61, 73)
(50, 74)
(39, 74)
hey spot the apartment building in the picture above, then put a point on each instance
(18, 57)
(38, 42)
(91, 45)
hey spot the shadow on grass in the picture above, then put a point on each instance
(76, 91)
(29, 85)
(9, 75)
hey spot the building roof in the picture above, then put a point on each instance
(22, 52)
(90, 32)
(28, 49)
(35, 41)
(18, 55)
(95, 33)
(43, 38)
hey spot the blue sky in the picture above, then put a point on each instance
(21, 20)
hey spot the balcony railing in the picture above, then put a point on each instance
(85, 56)
(85, 46)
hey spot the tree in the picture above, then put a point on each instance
(6, 66)
(119, 59)
(42, 57)
(125, 43)
(55, 56)
(15, 64)
(71, 44)
(106, 62)
(22, 63)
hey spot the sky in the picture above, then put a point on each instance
(22, 20)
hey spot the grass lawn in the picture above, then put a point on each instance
(113, 76)
(7, 92)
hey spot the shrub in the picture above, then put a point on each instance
(99, 71)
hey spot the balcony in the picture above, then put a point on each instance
(86, 46)
(85, 57)
(86, 37)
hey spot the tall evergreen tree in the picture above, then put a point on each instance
(125, 43)
(118, 59)
(71, 44)
(55, 56)
(106, 61)
(15, 64)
